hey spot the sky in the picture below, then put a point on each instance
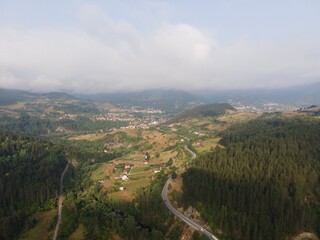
(127, 45)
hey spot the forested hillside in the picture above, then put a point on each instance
(265, 182)
(30, 170)
(11, 96)
(209, 110)
(35, 126)
(105, 218)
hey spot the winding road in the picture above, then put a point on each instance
(191, 223)
(60, 201)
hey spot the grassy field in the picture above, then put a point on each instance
(19, 105)
(238, 117)
(206, 145)
(140, 175)
(99, 173)
(89, 137)
(156, 143)
(8, 113)
(40, 232)
(137, 170)
(132, 186)
(78, 233)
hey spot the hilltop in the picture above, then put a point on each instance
(12, 96)
(208, 110)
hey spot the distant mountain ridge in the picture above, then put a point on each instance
(59, 95)
(300, 95)
(172, 100)
(177, 100)
(12, 96)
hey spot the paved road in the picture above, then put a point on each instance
(60, 201)
(191, 223)
(190, 151)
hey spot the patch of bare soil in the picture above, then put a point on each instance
(306, 236)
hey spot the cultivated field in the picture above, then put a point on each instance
(39, 231)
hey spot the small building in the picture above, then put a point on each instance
(124, 178)
(127, 166)
(60, 129)
(121, 188)
(156, 170)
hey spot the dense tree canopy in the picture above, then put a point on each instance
(264, 183)
(30, 170)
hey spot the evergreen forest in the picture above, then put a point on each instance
(261, 182)
(30, 170)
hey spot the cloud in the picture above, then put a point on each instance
(112, 54)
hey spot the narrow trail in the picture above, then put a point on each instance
(184, 218)
(60, 201)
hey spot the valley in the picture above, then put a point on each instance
(159, 120)
(120, 157)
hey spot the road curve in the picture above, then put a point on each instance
(60, 201)
(191, 223)
(190, 151)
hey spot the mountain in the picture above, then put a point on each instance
(170, 100)
(12, 96)
(300, 95)
(59, 95)
(178, 100)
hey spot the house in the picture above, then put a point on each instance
(127, 166)
(145, 162)
(121, 188)
(60, 129)
(156, 170)
(124, 178)
(198, 143)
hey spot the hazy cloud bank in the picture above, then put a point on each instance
(110, 54)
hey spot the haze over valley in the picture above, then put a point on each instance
(160, 120)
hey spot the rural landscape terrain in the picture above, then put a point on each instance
(180, 169)
(159, 120)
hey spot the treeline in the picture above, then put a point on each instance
(265, 182)
(30, 170)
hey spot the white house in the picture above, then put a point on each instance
(124, 178)
(127, 166)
